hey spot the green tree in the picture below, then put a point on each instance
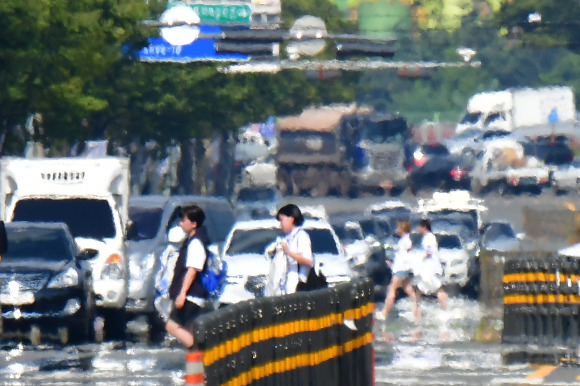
(53, 51)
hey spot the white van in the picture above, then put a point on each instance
(89, 195)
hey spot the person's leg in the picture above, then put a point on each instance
(443, 298)
(178, 318)
(395, 284)
(182, 334)
(408, 288)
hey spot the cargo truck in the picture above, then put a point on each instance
(527, 111)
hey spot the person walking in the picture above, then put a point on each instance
(401, 270)
(186, 289)
(430, 272)
(297, 247)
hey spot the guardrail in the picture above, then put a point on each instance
(541, 300)
(538, 293)
(322, 337)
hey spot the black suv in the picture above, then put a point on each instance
(45, 284)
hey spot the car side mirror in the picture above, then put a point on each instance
(87, 254)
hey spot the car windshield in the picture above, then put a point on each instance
(322, 241)
(449, 241)
(468, 218)
(435, 149)
(383, 131)
(146, 221)
(252, 240)
(37, 243)
(256, 194)
(496, 231)
(90, 218)
(399, 212)
(347, 234)
(470, 118)
(368, 227)
(469, 134)
(495, 134)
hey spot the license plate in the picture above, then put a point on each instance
(18, 299)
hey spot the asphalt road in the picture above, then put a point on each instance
(440, 349)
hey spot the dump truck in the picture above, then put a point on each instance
(310, 156)
(342, 150)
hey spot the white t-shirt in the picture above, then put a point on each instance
(298, 241)
(401, 261)
(429, 245)
(195, 259)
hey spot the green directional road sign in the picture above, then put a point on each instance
(219, 14)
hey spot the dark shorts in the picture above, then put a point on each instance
(185, 315)
(402, 274)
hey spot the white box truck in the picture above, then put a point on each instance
(91, 196)
(531, 112)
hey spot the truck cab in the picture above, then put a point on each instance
(89, 195)
(375, 150)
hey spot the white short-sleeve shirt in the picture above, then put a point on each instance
(429, 245)
(196, 259)
(401, 261)
(298, 241)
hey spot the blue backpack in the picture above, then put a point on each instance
(213, 276)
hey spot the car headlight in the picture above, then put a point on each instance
(113, 269)
(141, 269)
(68, 278)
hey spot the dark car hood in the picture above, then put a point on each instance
(32, 266)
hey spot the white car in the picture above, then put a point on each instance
(254, 202)
(358, 250)
(248, 266)
(566, 178)
(454, 258)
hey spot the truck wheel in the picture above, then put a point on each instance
(35, 335)
(63, 335)
(321, 190)
(503, 189)
(283, 182)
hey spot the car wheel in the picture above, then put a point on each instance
(115, 324)
(503, 189)
(84, 328)
(476, 186)
(63, 335)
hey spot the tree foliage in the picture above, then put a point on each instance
(52, 52)
(71, 61)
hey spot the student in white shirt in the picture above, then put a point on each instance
(401, 269)
(186, 289)
(431, 272)
(297, 246)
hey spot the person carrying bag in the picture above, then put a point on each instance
(296, 245)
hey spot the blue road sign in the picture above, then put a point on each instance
(160, 50)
